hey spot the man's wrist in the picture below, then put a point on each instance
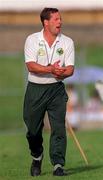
(49, 68)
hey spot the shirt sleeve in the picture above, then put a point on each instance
(30, 49)
(70, 54)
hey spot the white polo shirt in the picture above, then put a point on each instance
(37, 50)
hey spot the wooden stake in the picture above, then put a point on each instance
(77, 143)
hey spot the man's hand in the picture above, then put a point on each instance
(58, 71)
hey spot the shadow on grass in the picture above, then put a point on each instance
(76, 170)
(71, 171)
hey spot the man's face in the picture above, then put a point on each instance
(54, 23)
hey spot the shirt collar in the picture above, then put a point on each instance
(41, 37)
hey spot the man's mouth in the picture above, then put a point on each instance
(58, 27)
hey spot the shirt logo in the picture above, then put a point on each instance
(41, 52)
(60, 51)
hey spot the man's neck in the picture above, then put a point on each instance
(49, 37)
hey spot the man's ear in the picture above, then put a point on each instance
(45, 22)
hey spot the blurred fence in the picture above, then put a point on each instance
(13, 36)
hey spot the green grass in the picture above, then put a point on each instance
(11, 91)
(94, 55)
(11, 69)
(89, 55)
(15, 160)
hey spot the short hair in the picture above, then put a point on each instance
(46, 12)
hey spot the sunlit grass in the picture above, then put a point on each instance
(15, 159)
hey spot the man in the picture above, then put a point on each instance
(49, 57)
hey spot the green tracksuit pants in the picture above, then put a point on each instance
(40, 98)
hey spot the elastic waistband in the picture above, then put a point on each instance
(51, 84)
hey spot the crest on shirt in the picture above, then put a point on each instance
(41, 52)
(60, 51)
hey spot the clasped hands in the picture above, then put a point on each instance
(57, 71)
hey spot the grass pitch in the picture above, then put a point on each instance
(15, 160)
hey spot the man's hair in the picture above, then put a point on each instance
(46, 12)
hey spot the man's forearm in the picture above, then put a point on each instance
(38, 69)
(69, 71)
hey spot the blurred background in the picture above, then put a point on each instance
(83, 22)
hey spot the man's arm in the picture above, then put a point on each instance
(37, 68)
(40, 69)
